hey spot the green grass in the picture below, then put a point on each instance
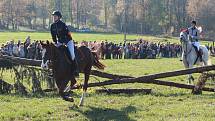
(164, 104)
(116, 38)
(5, 36)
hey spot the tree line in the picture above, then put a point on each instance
(130, 16)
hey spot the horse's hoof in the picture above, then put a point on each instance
(69, 93)
(69, 99)
(80, 105)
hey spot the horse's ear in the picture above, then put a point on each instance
(41, 42)
(47, 42)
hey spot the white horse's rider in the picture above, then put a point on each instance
(189, 40)
(193, 36)
(61, 35)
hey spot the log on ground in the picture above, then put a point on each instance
(125, 91)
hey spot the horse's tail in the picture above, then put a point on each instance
(209, 59)
(206, 57)
(96, 63)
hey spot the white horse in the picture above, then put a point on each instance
(189, 55)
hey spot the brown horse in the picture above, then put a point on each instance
(62, 67)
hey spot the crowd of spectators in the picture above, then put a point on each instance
(26, 49)
(135, 50)
(140, 49)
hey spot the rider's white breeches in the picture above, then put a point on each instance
(71, 48)
(196, 44)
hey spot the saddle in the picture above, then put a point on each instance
(66, 52)
(198, 53)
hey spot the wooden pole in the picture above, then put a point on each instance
(118, 79)
(31, 62)
(151, 78)
(126, 91)
(22, 61)
(157, 82)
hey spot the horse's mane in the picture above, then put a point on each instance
(184, 30)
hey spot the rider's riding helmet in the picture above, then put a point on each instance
(57, 13)
(193, 22)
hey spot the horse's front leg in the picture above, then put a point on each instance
(190, 77)
(62, 86)
(73, 83)
(86, 76)
(69, 89)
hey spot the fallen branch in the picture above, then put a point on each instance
(126, 91)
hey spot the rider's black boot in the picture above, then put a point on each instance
(200, 55)
(76, 68)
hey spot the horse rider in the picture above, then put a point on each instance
(61, 35)
(193, 35)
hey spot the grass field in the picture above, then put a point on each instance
(116, 38)
(5, 36)
(164, 104)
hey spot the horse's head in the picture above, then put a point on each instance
(47, 54)
(184, 35)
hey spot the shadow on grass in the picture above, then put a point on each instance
(39, 95)
(176, 94)
(107, 114)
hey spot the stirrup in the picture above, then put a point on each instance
(200, 55)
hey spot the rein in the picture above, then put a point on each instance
(53, 58)
(186, 53)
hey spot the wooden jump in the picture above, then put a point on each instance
(126, 91)
(118, 79)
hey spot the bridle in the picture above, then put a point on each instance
(183, 40)
(51, 57)
(186, 51)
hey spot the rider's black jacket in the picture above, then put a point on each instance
(60, 32)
